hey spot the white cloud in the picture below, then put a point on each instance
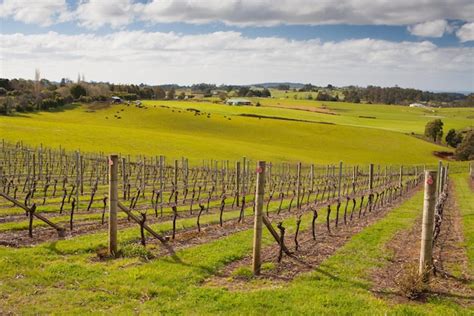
(435, 28)
(229, 57)
(96, 13)
(273, 12)
(466, 32)
(40, 12)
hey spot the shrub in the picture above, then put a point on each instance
(48, 103)
(78, 91)
(465, 150)
(453, 139)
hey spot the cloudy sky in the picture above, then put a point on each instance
(427, 44)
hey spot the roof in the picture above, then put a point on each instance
(116, 98)
(238, 100)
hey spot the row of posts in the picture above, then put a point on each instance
(431, 191)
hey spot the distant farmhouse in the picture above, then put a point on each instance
(418, 105)
(116, 99)
(238, 101)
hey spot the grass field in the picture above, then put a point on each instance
(220, 132)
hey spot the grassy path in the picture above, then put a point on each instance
(465, 198)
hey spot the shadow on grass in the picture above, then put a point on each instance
(64, 108)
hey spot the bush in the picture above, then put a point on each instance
(465, 150)
(48, 103)
(453, 139)
(78, 91)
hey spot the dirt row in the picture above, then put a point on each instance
(310, 254)
(396, 281)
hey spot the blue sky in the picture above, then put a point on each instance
(428, 45)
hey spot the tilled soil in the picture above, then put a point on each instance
(310, 252)
(448, 255)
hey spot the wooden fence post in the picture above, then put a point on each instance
(400, 180)
(438, 183)
(257, 230)
(162, 183)
(426, 251)
(78, 178)
(339, 181)
(175, 174)
(298, 185)
(237, 182)
(113, 204)
(371, 177)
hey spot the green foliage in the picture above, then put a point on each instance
(323, 96)
(465, 150)
(77, 91)
(453, 139)
(434, 130)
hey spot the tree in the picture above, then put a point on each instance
(181, 96)
(465, 150)
(160, 93)
(6, 107)
(266, 93)
(243, 91)
(434, 130)
(222, 95)
(78, 91)
(453, 139)
(170, 94)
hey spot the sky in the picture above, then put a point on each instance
(424, 44)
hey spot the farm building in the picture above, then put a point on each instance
(116, 99)
(417, 105)
(238, 101)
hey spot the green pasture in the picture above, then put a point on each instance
(220, 132)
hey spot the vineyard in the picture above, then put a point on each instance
(162, 207)
(48, 192)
